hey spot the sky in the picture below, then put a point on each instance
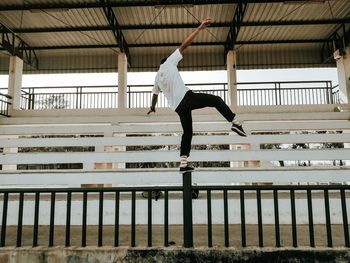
(82, 79)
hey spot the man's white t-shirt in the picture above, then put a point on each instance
(169, 81)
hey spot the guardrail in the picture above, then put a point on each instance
(308, 207)
(4, 104)
(139, 96)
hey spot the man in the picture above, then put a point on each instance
(182, 100)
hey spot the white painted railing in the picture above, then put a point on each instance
(246, 158)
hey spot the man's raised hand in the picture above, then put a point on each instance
(206, 22)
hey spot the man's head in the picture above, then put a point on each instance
(163, 60)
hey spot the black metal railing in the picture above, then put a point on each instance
(139, 96)
(4, 104)
(339, 192)
(82, 97)
(336, 95)
(285, 93)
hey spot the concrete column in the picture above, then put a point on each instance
(343, 69)
(232, 79)
(15, 83)
(241, 164)
(9, 167)
(122, 80)
(112, 148)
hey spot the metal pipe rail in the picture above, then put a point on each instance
(186, 189)
(139, 96)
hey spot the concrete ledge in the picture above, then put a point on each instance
(173, 254)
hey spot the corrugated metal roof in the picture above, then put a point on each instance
(297, 11)
(154, 41)
(304, 32)
(279, 56)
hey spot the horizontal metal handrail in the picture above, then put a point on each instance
(269, 93)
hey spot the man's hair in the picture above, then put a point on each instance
(163, 60)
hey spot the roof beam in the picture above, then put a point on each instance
(115, 3)
(17, 47)
(235, 26)
(118, 34)
(174, 44)
(179, 26)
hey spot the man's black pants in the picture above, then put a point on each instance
(193, 101)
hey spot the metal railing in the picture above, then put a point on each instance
(4, 104)
(286, 93)
(336, 95)
(82, 97)
(340, 191)
(139, 96)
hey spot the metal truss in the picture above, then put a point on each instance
(174, 44)
(235, 26)
(17, 47)
(118, 34)
(180, 26)
(129, 3)
(338, 40)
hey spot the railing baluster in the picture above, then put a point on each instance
(277, 218)
(226, 226)
(293, 213)
(149, 232)
(4, 219)
(311, 220)
(83, 229)
(210, 234)
(20, 220)
(36, 219)
(100, 219)
(243, 231)
(260, 225)
(328, 219)
(187, 209)
(68, 215)
(166, 218)
(133, 219)
(52, 219)
(116, 219)
(345, 218)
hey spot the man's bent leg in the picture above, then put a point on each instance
(202, 100)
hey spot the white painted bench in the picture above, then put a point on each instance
(115, 128)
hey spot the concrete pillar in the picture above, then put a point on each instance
(15, 83)
(343, 69)
(9, 167)
(112, 148)
(232, 79)
(122, 80)
(118, 149)
(241, 164)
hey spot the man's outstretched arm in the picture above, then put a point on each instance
(154, 102)
(189, 39)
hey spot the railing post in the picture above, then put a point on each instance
(31, 97)
(329, 93)
(187, 209)
(129, 97)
